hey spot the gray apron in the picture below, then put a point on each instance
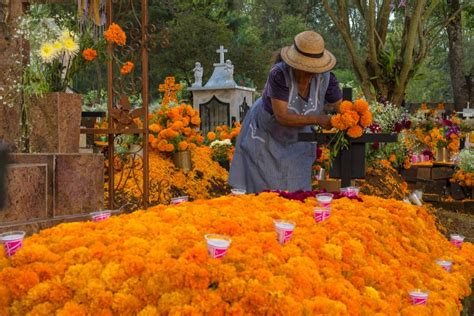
(267, 154)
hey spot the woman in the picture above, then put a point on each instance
(267, 154)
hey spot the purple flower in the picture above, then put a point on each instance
(375, 128)
(406, 123)
(376, 146)
(398, 127)
(319, 152)
(402, 3)
(428, 152)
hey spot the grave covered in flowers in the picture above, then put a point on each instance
(364, 259)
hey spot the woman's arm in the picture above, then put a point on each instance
(280, 110)
(334, 106)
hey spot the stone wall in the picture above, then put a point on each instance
(46, 189)
(9, 68)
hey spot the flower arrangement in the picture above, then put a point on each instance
(174, 128)
(388, 118)
(220, 150)
(206, 180)
(433, 131)
(464, 174)
(363, 260)
(53, 46)
(351, 121)
(224, 132)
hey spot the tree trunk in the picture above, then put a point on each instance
(456, 58)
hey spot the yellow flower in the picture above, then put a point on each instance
(47, 52)
(58, 46)
(70, 45)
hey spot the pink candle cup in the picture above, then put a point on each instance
(350, 191)
(324, 199)
(321, 214)
(445, 264)
(100, 216)
(457, 240)
(414, 159)
(418, 297)
(12, 241)
(284, 230)
(179, 200)
(238, 192)
(217, 245)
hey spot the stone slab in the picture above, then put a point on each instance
(432, 186)
(75, 183)
(49, 160)
(431, 197)
(55, 122)
(409, 174)
(26, 196)
(79, 185)
(456, 191)
(442, 173)
(423, 173)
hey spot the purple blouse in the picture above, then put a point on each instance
(276, 88)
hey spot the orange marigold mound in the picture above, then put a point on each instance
(362, 261)
(206, 180)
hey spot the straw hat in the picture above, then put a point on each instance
(308, 54)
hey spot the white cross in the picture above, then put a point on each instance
(221, 52)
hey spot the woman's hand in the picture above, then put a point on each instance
(324, 121)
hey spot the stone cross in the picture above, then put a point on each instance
(170, 88)
(221, 52)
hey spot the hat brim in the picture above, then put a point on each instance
(308, 64)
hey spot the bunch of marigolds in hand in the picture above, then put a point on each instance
(174, 129)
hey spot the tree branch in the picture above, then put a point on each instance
(407, 65)
(372, 51)
(382, 22)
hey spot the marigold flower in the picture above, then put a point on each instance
(355, 131)
(115, 34)
(366, 119)
(155, 128)
(361, 106)
(350, 118)
(196, 120)
(183, 145)
(345, 106)
(89, 54)
(127, 68)
(336, 121)
(211, 136)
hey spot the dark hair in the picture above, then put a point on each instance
(276, 57)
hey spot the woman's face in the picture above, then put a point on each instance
(302, 75)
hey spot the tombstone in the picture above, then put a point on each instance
(221, 100)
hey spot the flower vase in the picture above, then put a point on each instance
(182, 160)
(442, 154)
(55, 120)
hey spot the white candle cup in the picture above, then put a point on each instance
(284, 230)
(12, 241)
(321, 214)
(238, 191)
(179, 199)
(324, 199)
(100, 216)
(419, 194)
(406, 200)
(418, 297)
(350, 191)
(217, 245)
(415, 199)
(457, 240)
(445, 264)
